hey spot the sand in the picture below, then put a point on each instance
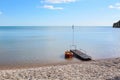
(105, 69)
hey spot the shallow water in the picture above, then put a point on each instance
(30, 44)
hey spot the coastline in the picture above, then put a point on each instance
(104, 69)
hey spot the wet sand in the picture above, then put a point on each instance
(105, 69)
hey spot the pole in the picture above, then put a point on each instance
(73, 35)
(73, 46)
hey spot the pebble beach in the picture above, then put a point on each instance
(105, 69)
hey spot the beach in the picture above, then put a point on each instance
(104, 69)
(59, 40)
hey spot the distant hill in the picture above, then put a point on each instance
(116, 25)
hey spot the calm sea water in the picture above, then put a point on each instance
(29, 44)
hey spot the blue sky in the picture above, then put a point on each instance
(59, 12)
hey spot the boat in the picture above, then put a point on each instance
(68, 54)
(77, 53)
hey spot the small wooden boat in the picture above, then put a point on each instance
(68, 54)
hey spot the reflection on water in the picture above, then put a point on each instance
(47, 44)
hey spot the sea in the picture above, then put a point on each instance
(47, 44)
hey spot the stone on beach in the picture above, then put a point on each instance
(108, 69)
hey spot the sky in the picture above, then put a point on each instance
(59, 12)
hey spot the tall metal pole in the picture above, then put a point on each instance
(73, 46)
(73, 36)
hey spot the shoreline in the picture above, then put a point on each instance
(104, 69)
(37, 65)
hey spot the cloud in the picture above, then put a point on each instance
(115, 6)
(52, 7)
(58, 1)
(1, 12)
